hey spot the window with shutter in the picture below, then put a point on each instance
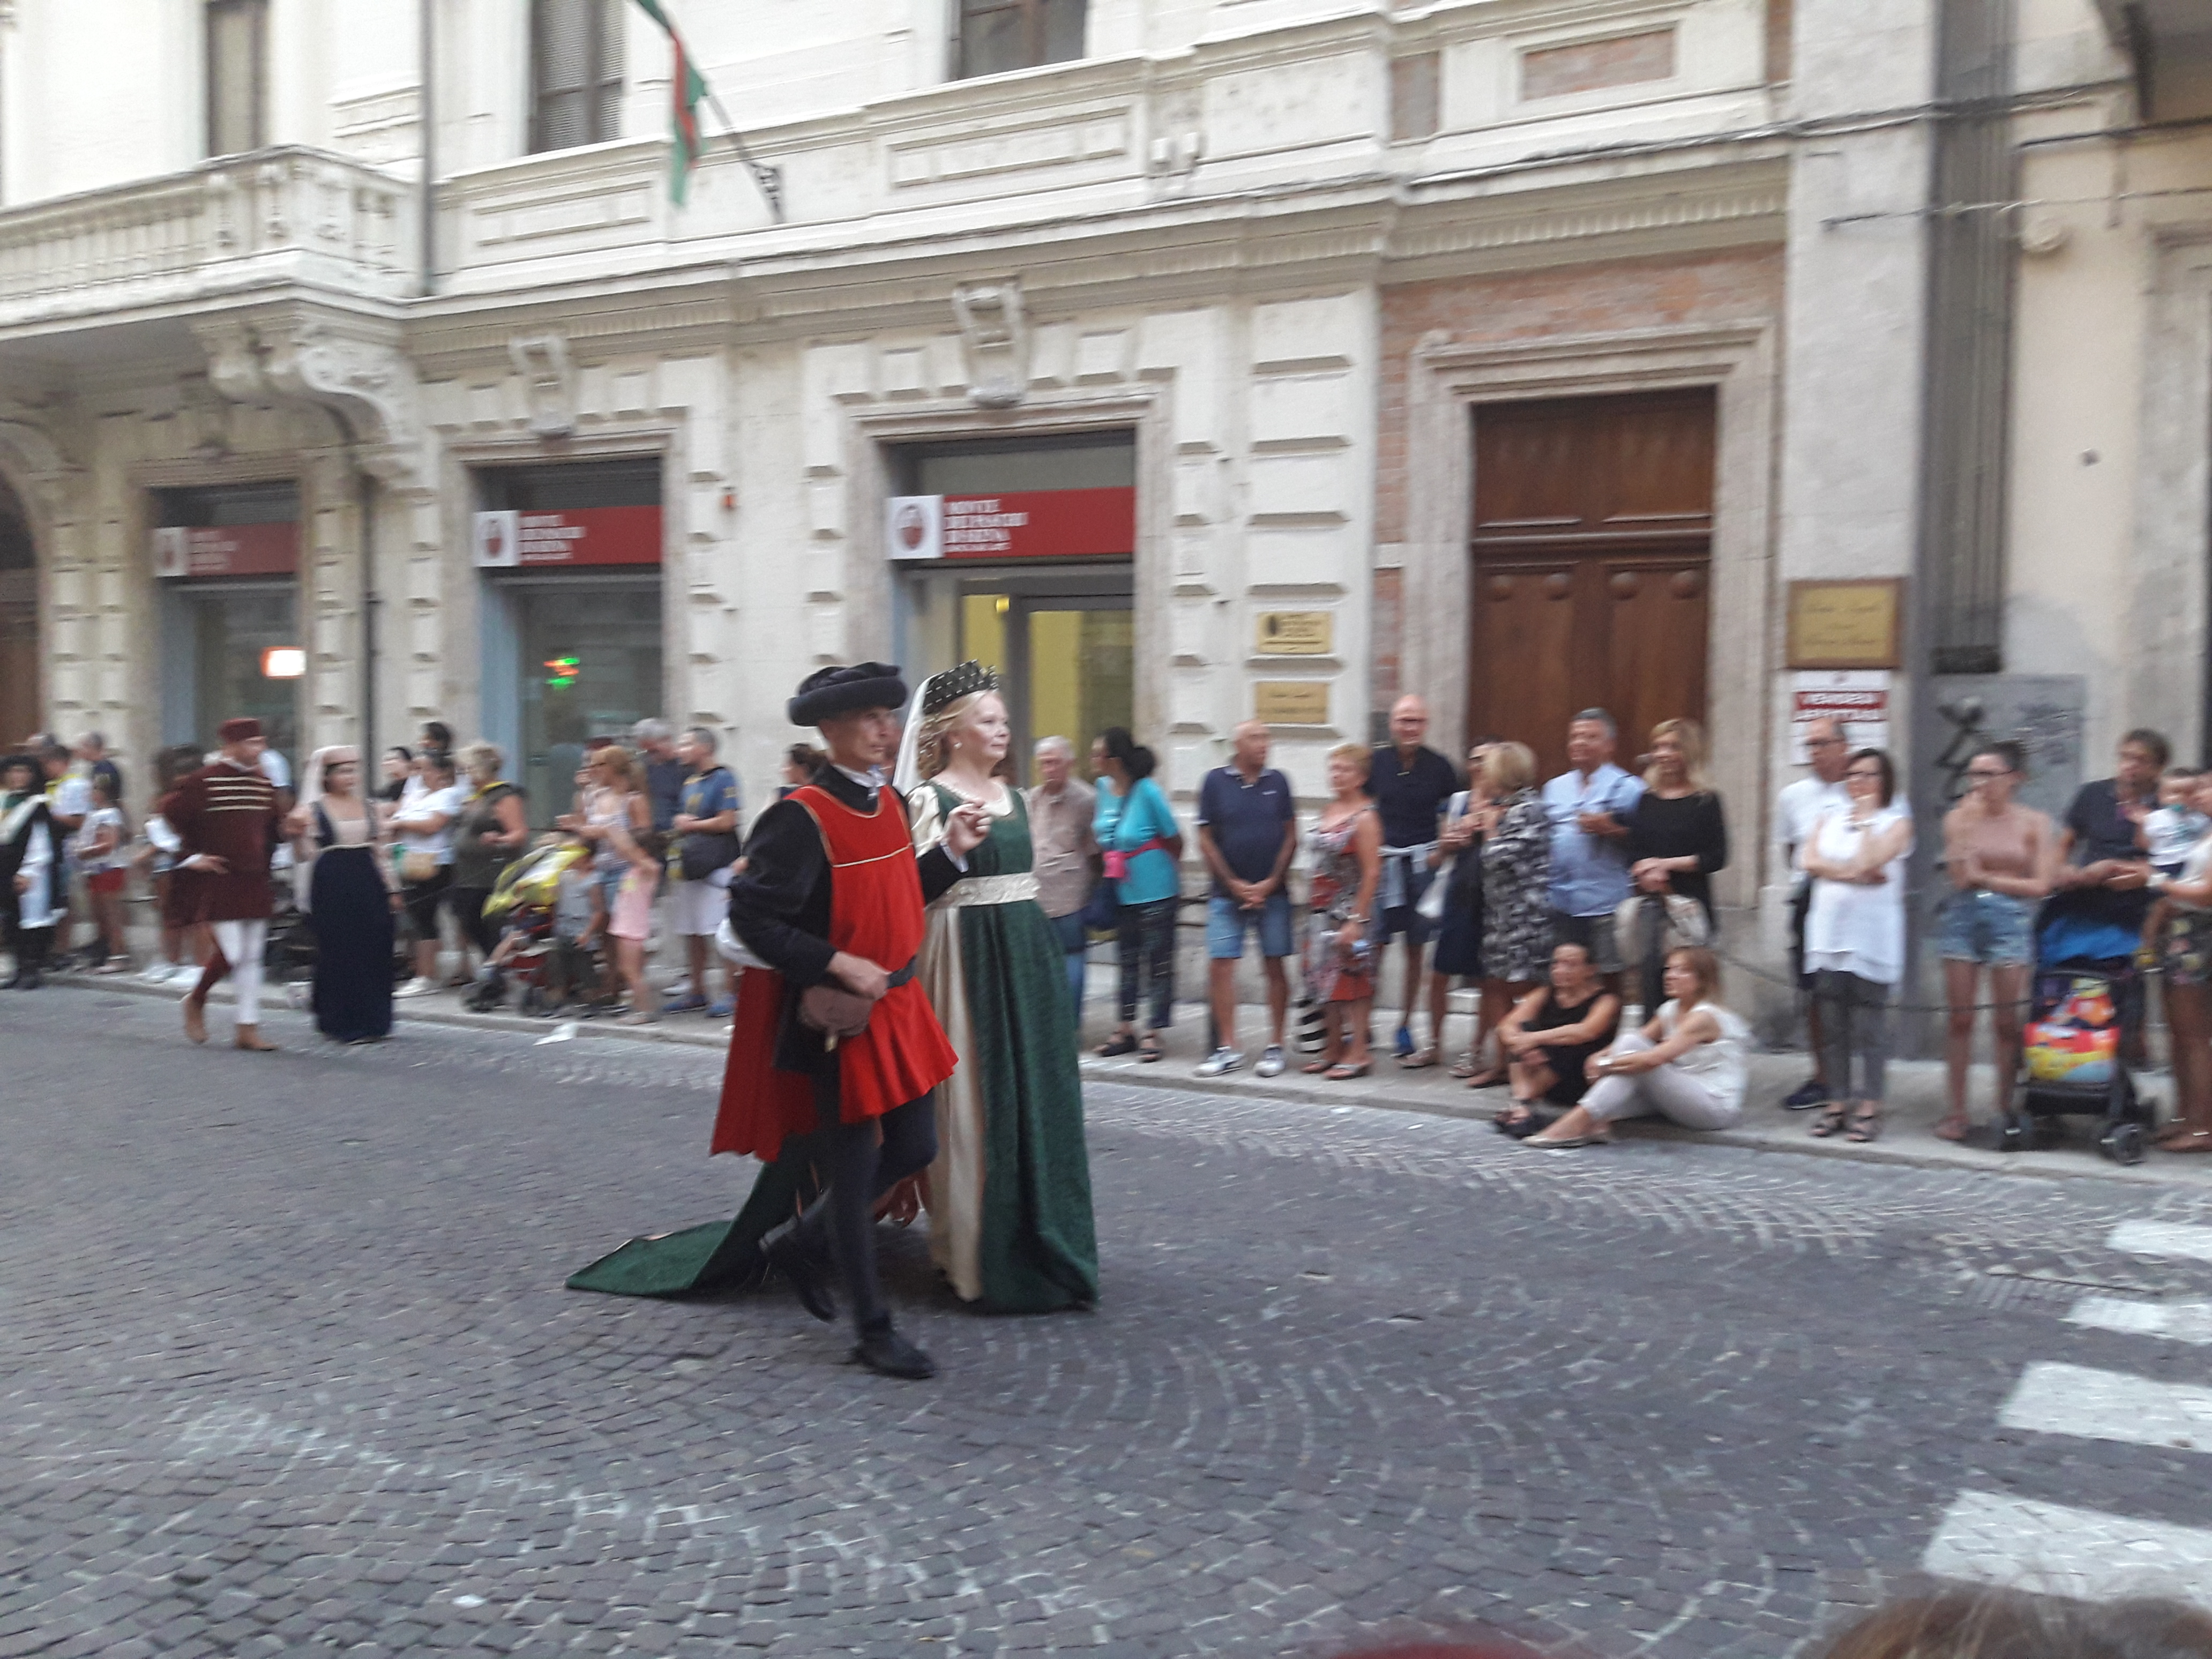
(576, 72)
(237, 45)
(998, 35)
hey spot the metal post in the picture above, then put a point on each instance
(426, 104)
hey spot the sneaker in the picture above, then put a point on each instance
(1402, 1044)
(722, 1010)
(158, 972)
(682, 1003)
(417, 986)
(113, 965)
(185, 973)
(1807, 1095)
(1220, 1063)
(1271, 1061)
(637, 1016)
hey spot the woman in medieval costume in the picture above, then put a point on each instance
(350, 890)
(30, 870)
(1009, 1193)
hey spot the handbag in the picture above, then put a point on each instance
(1102, 910)
(419, 867)
(1438, 891)
(704, 852)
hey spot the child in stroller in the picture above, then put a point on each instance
(2087, 998)
(551, 919)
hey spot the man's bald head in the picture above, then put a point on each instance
(1828, 748)
(1409, 722)
(1249, 745)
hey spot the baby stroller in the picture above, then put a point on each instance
(2087, 996)
(523, 902)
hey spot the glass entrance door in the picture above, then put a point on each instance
(1067, 662)
(214, 666)
(590, 661)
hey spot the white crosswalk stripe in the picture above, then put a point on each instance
(2096, 1404)
(1993, 1538)
(1988, 1538)
(2176, 1322)
(2166, 1238)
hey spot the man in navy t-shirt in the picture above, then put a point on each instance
(1247, 829)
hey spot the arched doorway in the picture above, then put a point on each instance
(22, 685)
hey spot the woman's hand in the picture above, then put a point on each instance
(966, 829)
(1652, 875)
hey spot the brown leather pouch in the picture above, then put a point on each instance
(838, 1013)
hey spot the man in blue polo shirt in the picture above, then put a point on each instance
(1588, 806)
(1247, 829)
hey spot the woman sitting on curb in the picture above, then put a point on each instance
(1686, 1064)
(1550, 1037)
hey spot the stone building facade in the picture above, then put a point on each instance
(1518, 352)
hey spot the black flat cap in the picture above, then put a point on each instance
(830, 691)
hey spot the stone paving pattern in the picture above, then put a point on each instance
(289, 1370)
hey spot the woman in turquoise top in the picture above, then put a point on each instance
(1136, 830)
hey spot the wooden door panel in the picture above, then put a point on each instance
(1654, 627)
(20, 702)
(1524, 672)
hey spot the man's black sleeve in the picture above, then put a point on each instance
(785, 866)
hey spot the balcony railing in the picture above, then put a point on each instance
(238, 223)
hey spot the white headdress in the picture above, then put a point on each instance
(935, 695)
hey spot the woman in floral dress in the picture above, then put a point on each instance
(1516, 879)
(1347, 846)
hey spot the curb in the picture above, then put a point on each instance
(2030, 1165)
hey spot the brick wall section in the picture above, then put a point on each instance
(1733, 286)
(1388, 623)
(1587, 65)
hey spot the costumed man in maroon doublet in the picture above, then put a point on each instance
(225, 816)
(832, 896)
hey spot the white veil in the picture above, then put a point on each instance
(906, 775)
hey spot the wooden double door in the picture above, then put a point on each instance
(1592, 548)
(22, 705)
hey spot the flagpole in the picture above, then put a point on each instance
(767, 178)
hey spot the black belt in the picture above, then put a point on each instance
(905, 975)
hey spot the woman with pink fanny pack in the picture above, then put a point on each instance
(1142, 846)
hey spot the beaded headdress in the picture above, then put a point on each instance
(948, 688)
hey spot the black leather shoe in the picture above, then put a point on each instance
(788, 1256)
(889, 1354)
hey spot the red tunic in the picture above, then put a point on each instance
(875, 911)
(230, 811)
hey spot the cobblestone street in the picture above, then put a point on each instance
(289, 1370)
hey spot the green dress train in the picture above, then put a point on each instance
(1009, 1196)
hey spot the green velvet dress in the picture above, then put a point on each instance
(1009, 1196)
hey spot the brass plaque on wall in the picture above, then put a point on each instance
(1291, 702)
(1847, 624)
(1294, 634)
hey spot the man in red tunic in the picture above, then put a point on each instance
(832, 896)
(225, 816)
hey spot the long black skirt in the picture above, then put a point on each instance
(351, 913)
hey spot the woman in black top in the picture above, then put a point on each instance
(1549, 1036)
(1677, 836)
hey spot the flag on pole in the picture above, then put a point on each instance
(688, 90)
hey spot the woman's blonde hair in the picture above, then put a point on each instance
(1706, 965)
(934, 746)
(1692, 737)
(1509, 767)
(622, 767)
(1358, 753)
(481, 757)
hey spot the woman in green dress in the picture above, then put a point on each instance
(1009, 1196)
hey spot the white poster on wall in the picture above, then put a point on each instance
(1859, 697)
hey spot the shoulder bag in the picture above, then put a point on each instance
(704, 852)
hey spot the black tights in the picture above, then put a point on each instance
(863, 1161)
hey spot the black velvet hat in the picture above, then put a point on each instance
(829, 691)
(942, 690)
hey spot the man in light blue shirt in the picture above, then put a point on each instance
(1589, 806)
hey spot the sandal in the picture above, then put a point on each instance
(1150, 1050)
(1466, 1064)
(1955, 1128)
(1122, 1044)
(1829, 1120)
(1517, 1120)
(2191, 1140)
(1420, 1059)
(1489, 1079)
(1866, 1124)
(1318, 1067)
(1344, 1070)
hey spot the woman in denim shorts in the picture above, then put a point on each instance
(2002, 857)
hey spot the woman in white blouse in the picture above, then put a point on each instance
(1855, 858)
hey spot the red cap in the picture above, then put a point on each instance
(240, 730)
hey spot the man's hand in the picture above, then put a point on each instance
(684, 824)
(2128, 875)
(22, 884)
(861, 977)
(964, 831)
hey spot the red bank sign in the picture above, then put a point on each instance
(231, 549)
(579, 535)
(1036, 523)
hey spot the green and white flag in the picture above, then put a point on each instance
(689, 89)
